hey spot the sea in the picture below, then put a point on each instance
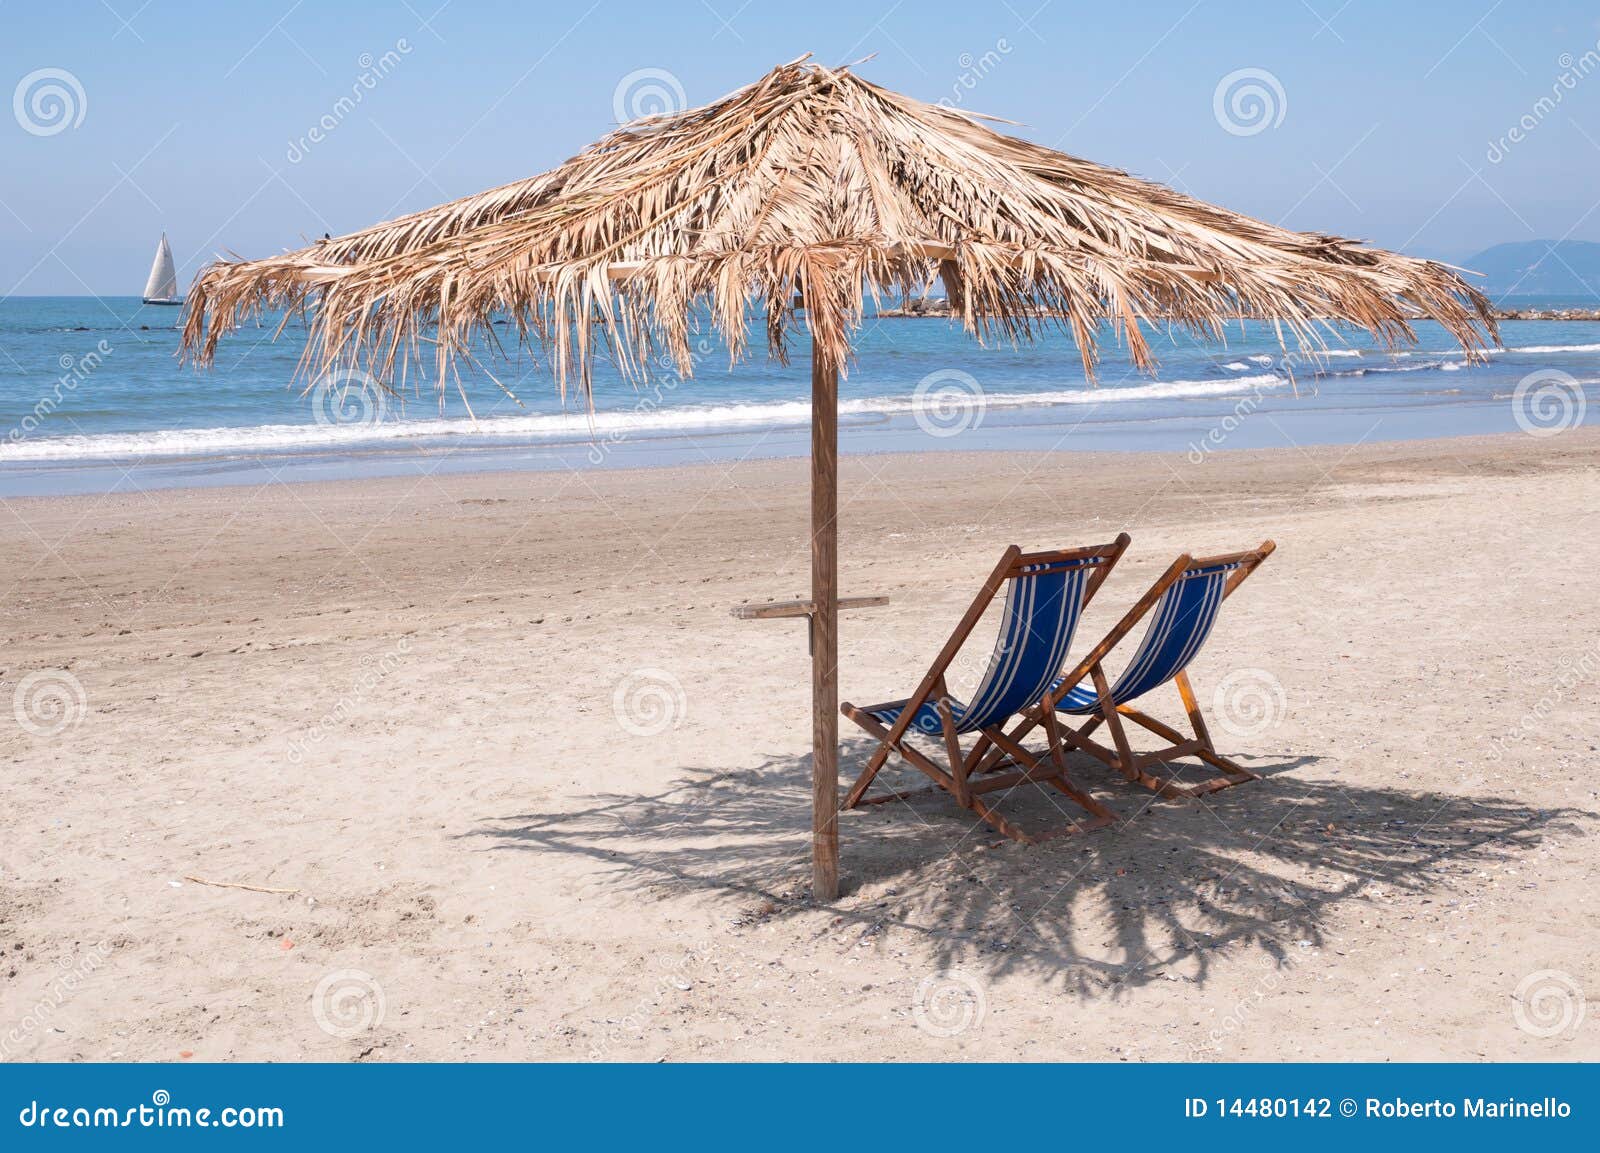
(94, 398)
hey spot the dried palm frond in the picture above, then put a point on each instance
(814, 185)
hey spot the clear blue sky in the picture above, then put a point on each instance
(189, 110)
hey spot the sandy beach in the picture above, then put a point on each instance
(536, 794)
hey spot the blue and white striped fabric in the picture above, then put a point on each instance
(1041, 615)
(1178, 628)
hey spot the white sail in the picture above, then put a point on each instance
(163, 282)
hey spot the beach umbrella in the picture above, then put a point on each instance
(794, 202)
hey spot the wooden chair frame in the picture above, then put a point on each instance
(1135, 766)
(958, 776)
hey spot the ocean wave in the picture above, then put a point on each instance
(1381, 369)
(1435, 353)
(1542, 348)
(604, 425)
(1518, 348)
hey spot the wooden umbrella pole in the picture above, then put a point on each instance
(824, 628)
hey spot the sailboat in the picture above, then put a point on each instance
(162, 287)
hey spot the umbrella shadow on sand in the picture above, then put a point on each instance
(1168, 894)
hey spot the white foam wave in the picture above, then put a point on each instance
(1420, 366)
(1520, 348)
(1543, 348)
(565, 426)
(1406, 353)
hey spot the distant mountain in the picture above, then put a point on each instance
(1544, 267)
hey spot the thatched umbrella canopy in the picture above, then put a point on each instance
(804, 194)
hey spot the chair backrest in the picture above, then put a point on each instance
(1178, 628)
(1043, 606)
(1183, 603)
(1045, 597)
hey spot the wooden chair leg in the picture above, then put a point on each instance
(1233, 774)
(1126, 763)
(992, 758)
(957, 782)
(862, 784)
(1209, 753)
(1052, 728)
(952, 748)
(945, 781)
(1192, 706)
(1080, 740)
(1102, 815)
(980, 749)
(909, 752)
(1108, 713)
(1159, 728)
(999, 822)
(875, 763)
(1052, 732)
(1231, 767)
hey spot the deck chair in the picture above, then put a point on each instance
(1183, 605)
(1045, 595)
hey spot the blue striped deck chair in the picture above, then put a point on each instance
(1183, 605)
(1045, 596)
